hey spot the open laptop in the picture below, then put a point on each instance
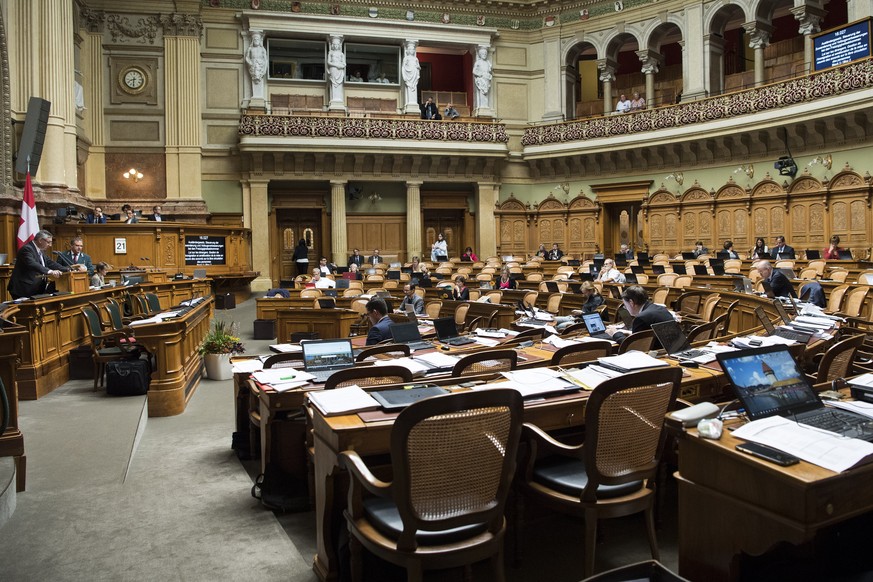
(447, 332)
(552, 287)
(595, 326)
(445, 294)
(643, 258)
(321, 358)
(845, 254)
(326, 302)
(674, 340)
(717, 266)
(768, 383)
(770, 329)
(700, 270)
(626, 318)
(743, 285)
(573, 263)
(785, 255)
(630, 278)
(393, 275)
(812, 255)
(407, 333)
(638, 269)
(410, 313)
(620, 259)
(679, 269)
(659, 269)
(689, 256)
(342, 283)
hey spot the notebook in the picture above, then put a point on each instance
(329, 292)
(626, 318)
(620, 259)
(398, 399)
(717, 266)
(321, 358)
(407, 333)
(326, 302)
(595, 326)
(447, 332)
(743, 285)
(393, 275)
(679, 269)
(445, 294)
(768, 383)
(642, 258)
(630, 278)
(342, 283)
(674, 340)
(638, 270)
(659, 269)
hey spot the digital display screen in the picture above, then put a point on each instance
(841, 45)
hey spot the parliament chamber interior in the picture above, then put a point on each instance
(498, 227)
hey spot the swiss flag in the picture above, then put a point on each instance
(28, 225)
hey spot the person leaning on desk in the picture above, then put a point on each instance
(377, 312)
(34, 269)
(645, 313)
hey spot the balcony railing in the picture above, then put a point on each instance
(371, 128)
(828, 83)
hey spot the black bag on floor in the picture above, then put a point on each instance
(279, 491)
(127, 377)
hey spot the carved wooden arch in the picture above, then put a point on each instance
(662, 197)
(768, 187)
(582, 202)
(731, 191)
(696, 195)
(848, 179)
(551, 204)
(805, 184)
(511, 204)
(512, 218)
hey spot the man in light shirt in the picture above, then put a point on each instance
(321, 282)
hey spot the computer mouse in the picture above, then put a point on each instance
(444, 348)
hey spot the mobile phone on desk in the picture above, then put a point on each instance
(768, 454)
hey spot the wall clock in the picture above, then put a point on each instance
(132, 80)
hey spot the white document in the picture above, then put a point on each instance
(137, 322)
(815, 446)
(343, 400)
(247, 366)
(543, 316)
(772, 340)
(633, 360)
(857, 406)
(412, 365)
(277, 376)
(538, 380)
(509, 332)
(526, 390)
(494, 334)
(865, 380)
(560, 342)
(438, 360)
(487, 342)
(590, 377)
(286, 348)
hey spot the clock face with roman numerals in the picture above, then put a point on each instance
(133, 80)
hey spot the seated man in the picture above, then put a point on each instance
(326, 268)
(377, 312)
(451, 112)
(699, 249)
(556, 253)
(609, 274)
(320, 282)
(411, 298)
(645, 313)
(624, 104)
(780, 284)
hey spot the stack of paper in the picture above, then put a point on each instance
(438, 360)
(343, 400)
(286, 348)
(281, 379)
(412, 365)
(865, 380)
(761, 341)
(590, 377)
(490, 333)
(632, 361)
(560, 342)
(247, 366)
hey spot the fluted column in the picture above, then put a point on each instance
(759, 39)
(259, 209)
(338, 229)
(486, 199)
(607, 76)
(714, 77)
(695, 54)
(182, 103)
(552, 78)
(413, 220)
(809, 20)
(91, 63)
(651, 61)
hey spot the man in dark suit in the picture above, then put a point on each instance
(375, 258)
(156, 214)
(130, 217)
(326, 268)
(97, 217)
(75, 256)
(34, 267)
(356, 259)
(430, 111)
(555, 254)
(645, 313)
(780, 284)
(781, 250)
(377, 312)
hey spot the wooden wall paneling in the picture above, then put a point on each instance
(386, 232)
(551, 219)
(661, 204)
(732, 217)
(850, 196)
(513, 236)
(584, 215)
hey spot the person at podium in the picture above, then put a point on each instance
(35, 271)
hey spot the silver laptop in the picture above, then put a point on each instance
(595, 326)
(407, 333)
(321, 358)
(674, 340)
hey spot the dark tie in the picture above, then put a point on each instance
(75, 258)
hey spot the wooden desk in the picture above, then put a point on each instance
(12, 440)
(175, 344)
(327, 323)
(732, 504)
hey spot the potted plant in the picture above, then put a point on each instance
(219, 344)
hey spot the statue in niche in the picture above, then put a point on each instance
(256, 58)
(411, 72)
(336, 67)
(482, 76)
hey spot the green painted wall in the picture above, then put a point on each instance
(223, 196)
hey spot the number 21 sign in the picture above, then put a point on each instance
(121, 246)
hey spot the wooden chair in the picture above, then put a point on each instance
(310, 293)
(660, 295)
(706, 309)
(808, 274)
(533, 334)
(283, 360)
(703, 332)
(667, 279)
(837, 361)
(835, 298)
(641, 341)
(839, 275)
(819, 265)
(581, 352)
(484, 277)
(485, 362)
(401, 350)
(854, 302)
(733, 266)
(352, 292)
(683, 281)
(368, 376)
(461, 315)
(494, 297)
(612, 473)
(453, 458)
(725, 321)
(361, 326)
(574, 329)
(492, 319)
(553, 304)
(107, 346)
(432, 308)
(530, 299)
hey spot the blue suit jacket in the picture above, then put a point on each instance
(379, 331)
(82, 260)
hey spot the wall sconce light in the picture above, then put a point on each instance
(374, 198)
(825, 160)
(678, 176)
(747, 169)
(133, 174)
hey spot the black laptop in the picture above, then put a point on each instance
(620, 259)
(674, 340)
(573, 263)
(552, 287)
(447, 332)
(659, 269)
(700, 270)
(329, 293)
(631, 278)
(770, 329)
(398, 399)
(724, 255)
(768, 382)
(407, 333)
(393, 275)
(321, 358)
(812, 255)
(445, 294)
(689, 255)
(342, 283)
(679, 269)
(717, 266)
(845, 254)
(643, 258)
(326, 302)
(638, 269)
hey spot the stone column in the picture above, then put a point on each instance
(259, 209)
(859, 9)
(607, 76)
(552, 79)
(714, 77)
(651, 61)
(91, 63)
(809, 19)
(338, 231)
(182, 106)
(695, 55)
(413, 220)
(759, 39)
(486, 199)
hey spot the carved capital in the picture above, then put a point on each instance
(809, 19)
(607, 70)
(92, 20)
(181, 24)
(759, 34)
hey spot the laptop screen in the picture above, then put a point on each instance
(405, 333)
(594, 323)
(671, 336)
(769, 328)
(327, 354)
(445, 327)
(768, 382)
(679, 269)
(812, 255)
(689, 255)
(552, 287)
(700, 270)
(780, 309)
(630, 278)
(845, 255)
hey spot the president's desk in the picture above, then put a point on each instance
(733, 508)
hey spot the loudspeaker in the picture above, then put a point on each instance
(33, 136)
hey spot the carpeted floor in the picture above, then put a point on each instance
(177, 506)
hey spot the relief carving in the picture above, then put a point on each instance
(761, 222)
(582, 202)
(690, 226)
(657, 226)
(859, 216)
(816, 219)
(846, 180)
(670, 227)
(776, 224)
(730, 192)
(505, 231)
(588, 227)
(576, 230)
(740, 222)
(519, 232)
(663, 198)
(705, 222)
(798, 218)
(805, 184)
(840, 217)
(724, 223)
(696, 195)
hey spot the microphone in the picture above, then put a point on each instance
(62, 256)
(145, 259)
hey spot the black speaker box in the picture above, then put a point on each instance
(33, 135)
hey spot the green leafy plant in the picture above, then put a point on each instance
(222, 339)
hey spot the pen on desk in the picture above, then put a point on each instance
(291, 377)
